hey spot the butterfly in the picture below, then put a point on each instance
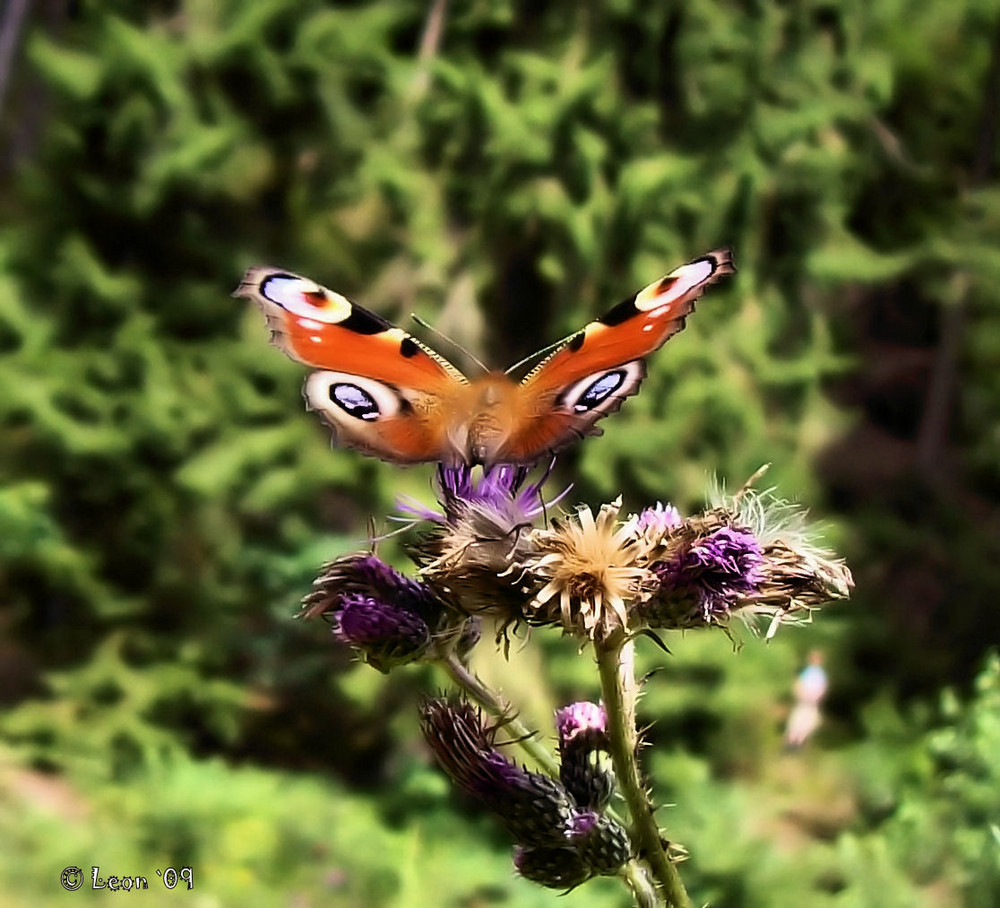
(387, 394)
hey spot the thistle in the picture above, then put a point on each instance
(558, 842)
(484, 527)
(587, 571)
(534, 808)
(387, 618)
(595, 576)
(585, 765)
(493, 551)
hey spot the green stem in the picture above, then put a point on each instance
(643, 891)
(499, 709)
(615, 663)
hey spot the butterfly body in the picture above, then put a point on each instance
(385, 393)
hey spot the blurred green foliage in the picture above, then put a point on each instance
(165, 502)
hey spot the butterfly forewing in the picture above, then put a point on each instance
(321, 328)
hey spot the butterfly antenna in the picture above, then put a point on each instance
(538, 354)
(429, 327)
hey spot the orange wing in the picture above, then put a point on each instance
(596, 369)
(379, 389)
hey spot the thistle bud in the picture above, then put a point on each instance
(601, 840)
(368, 576)
(385, 635)
(534, 808)
(554, 868)
(585, 767)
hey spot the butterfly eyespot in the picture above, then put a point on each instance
(593, 391)
(359, 398)
(599, 391)
(353, 401)
(305, 298)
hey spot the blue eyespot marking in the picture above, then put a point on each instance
(599, 391)
(354, 401)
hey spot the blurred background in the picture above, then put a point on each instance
(507, 170)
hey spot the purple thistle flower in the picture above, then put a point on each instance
(499, 481)
(580, 717)
(368, 576)
(534, 808)
(500, 488)
(387, 636)
(585, 767)
(659, 520)
(709, 576)
(728, 561)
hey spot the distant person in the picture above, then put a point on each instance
(810, 688)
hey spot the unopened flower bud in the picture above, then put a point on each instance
(387, 636)
(554, 867)
(534, 808)
(585, 767)
(368, 576)
(602, 841)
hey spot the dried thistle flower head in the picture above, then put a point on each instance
(749, 554)
(800, 575)
(588, 572)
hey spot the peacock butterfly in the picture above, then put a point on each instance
(385, 393)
